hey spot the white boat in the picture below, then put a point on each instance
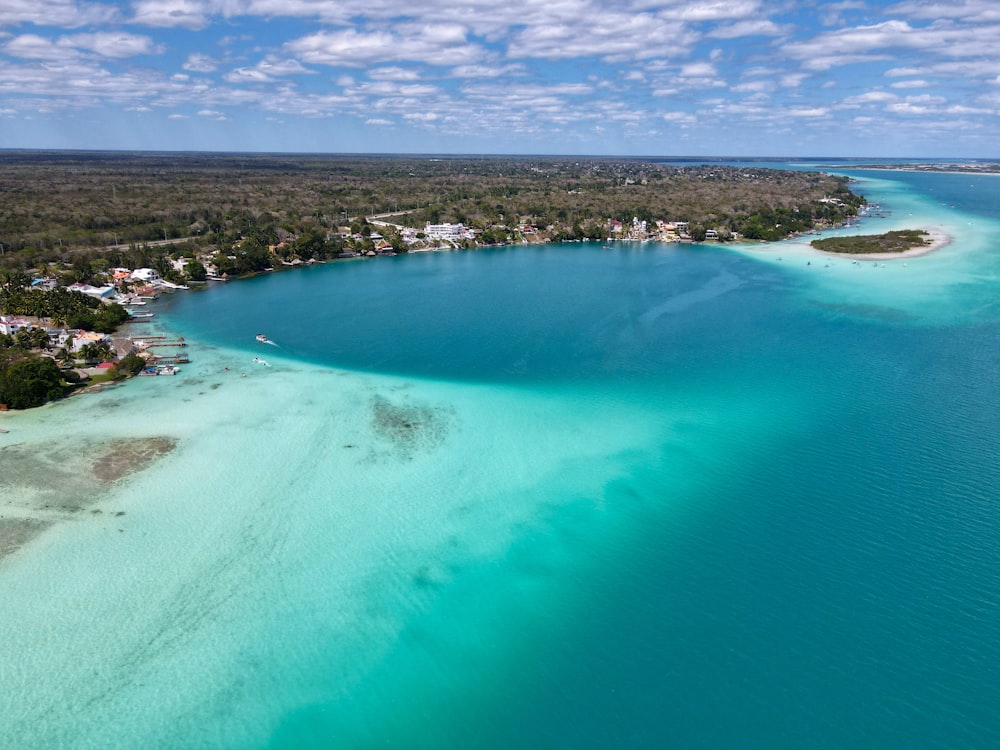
(262, 338)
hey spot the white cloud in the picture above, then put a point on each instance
(394, 73)
(188, 14)
(606, 34)
(113, 44)
(199, 63)
(808, 112)
(351, 48)
(868, 98)
(487, 71)
(970, 11)
(912, 84)
(680, 118)
(378, 121)
(59, 13)
(763, 86)
(874, 42)
(103, 44)
(758, 27)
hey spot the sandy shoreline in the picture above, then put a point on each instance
(936, 239)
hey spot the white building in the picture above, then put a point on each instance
(145, 274)
(10, 325)
(100, 292)
(445, 231)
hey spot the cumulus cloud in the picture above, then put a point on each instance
(188, 14)
(532, 67)
(612, 35)
(101, 44)
(352, 48)
(58, 13)
(113, 44)
(267, 70)
(759, 27)
(394, 73)
(200, 63)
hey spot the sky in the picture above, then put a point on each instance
(919, 78)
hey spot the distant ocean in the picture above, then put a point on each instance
(569, 496)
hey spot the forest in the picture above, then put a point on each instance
(120, 208)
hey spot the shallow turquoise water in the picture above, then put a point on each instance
(564, 497)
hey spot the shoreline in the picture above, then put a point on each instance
(936, 239)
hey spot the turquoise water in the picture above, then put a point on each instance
(645, 496)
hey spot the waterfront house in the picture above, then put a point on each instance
(145, 275)
(444, 231)
(81, 338)
(100, 292)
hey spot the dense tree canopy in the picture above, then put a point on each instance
(30, 381)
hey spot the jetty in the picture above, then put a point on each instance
(148, 342)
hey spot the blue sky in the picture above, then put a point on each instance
(919, 78)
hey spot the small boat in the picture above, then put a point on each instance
(262, 338)
(4, 431)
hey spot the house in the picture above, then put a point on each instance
(100, 292)
(123, 347)
(9, 325)
(444, 231)
(145, 275)
(82, 338)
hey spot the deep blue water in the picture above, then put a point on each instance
(831, 581)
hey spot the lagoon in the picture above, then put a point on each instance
(555, 496)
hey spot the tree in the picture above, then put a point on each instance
(130, 364)
(30, 382)
(97, 351)
(195, 270)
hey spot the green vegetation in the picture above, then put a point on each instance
(65, 309)
(79, 213)
(28, 380)
(891, 242)
(130, 364)
(76, 216)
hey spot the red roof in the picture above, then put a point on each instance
(105, 365)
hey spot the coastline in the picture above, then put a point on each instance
(936, 239)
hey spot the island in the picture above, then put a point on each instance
(900, 243)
